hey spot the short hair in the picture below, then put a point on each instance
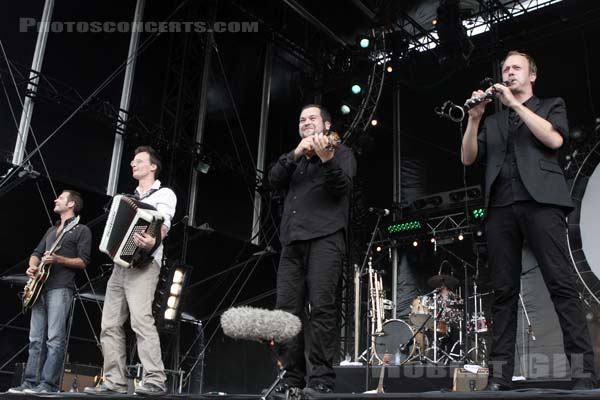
(75, 197)
(324, 113)
(153, 157)
(532, 64)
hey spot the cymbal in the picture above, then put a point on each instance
(443, 280)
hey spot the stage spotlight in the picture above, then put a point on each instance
(432, 240)
(176, 289)
(364, 43)
(415, 243)
(374, 122)
(168, 297)
(170, 314)
(389, 68)
(172, 301)
(356, 89)
(461, 236)
(434, 22)
(178, 276)
(378, 248)
(345, 109)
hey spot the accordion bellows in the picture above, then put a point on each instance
(126, 217)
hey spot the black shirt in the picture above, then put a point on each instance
(317, 199)
(508, 188)
(76, 243)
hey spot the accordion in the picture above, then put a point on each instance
(126, 217)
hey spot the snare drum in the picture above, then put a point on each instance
(478, 324)
(420, 309)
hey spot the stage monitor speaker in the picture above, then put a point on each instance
(466, 381)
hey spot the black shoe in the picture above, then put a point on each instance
(496, 387)
(149, 389)
(317, 389)
(102, 390)
(584, 384)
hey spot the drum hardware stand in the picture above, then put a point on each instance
(421, 329)
(370, 338)
(465, 346)
(461, 356)
(436, 316)
(421, 356)
(477, 310)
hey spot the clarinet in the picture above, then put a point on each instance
(473, 101)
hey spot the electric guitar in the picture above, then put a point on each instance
(35, 284)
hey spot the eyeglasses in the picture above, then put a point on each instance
(136, 162)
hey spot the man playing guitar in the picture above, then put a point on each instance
(50, 311)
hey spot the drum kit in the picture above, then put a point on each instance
(435, 332)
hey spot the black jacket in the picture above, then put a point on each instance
(317, 195)
(537, 164)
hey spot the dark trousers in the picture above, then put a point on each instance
(309, 274)
(544, 227)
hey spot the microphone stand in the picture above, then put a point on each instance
(530, 333)
(369, 334)
(280, 376)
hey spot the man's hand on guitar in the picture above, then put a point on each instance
(144, 240)
(51, 258)
(31, 271)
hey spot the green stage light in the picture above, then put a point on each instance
(364, 43)
(478, 212)
(345, 109)
(356, 89)
(408, 226)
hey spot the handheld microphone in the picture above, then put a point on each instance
(259, 324)
(379, 211)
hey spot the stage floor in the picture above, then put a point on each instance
(514, 394)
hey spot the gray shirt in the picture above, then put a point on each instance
(76, 243)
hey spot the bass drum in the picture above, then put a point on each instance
(584, 226)
(397, 340)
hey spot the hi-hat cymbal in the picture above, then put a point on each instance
(443, 280)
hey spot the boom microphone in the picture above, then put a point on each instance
(259, 324)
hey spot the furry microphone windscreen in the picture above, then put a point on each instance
(260, 324)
